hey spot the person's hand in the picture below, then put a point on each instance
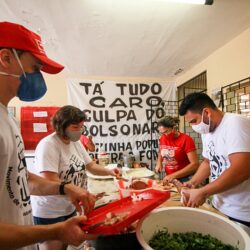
(193, 197)
(168, 179)
(158, 168)
(80, 197)
(70, 232)
(115, 172)
(189, 184)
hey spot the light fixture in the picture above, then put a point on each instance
(207, 2)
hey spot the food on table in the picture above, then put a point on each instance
(179, 185)
(136, 197)
(162, 240)
(160, 186)
(138, 184)
(130, 228)
(134, 185)
(112, 218)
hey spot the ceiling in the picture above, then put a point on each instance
(131, 38)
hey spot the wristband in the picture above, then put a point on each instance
(61, 189)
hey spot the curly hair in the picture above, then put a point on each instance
(65, 116)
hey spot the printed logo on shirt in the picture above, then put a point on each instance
(16, 181)
(168, 155)
(76, 172)
(218, 163)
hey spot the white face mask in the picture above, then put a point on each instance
(202, 128)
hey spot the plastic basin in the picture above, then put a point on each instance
(183, 219)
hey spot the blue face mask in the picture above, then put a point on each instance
(32, 85)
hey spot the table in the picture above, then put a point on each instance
(109, 187)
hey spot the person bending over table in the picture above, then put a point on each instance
(226, 152)
(177, 153)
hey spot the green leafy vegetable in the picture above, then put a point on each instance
(162, 240)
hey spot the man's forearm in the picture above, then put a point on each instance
(15, 236)
(202, 173)
(42, 186)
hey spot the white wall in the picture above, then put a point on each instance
(226, 65)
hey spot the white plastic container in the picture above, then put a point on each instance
(183, 219)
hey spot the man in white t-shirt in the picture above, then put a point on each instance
(22, 57)
(226, 152)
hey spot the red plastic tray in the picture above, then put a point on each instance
(135, 209)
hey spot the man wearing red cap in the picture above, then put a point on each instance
(22, 57)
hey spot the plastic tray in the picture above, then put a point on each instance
(135, 209)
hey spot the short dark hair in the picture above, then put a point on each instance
(65, 116)
(196, 102)
(168, 122)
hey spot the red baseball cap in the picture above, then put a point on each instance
(16, 36)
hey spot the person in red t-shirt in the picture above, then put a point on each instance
(177, 152)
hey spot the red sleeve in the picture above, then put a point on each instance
(189, 144)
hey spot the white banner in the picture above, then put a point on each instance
(122, 116)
